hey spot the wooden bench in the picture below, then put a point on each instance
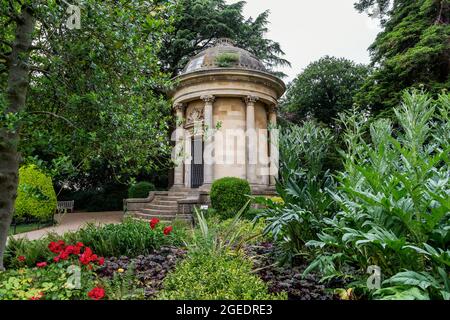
(65, 205)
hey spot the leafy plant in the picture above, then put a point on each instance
(221, 237)
(229, 195)
(394, 199)
(303, 187)
(226, 60)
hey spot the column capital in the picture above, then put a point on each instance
(208, 98)
(272, 108)
(179, 106)
(251, 99)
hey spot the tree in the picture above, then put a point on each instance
(92, 94)
(325, 88)
(412, 51)
(198, 23)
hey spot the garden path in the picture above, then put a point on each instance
(73, 221)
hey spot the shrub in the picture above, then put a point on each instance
(130, 238)
(140, 190)
(207, 276)
(36, 197)
(229, 195)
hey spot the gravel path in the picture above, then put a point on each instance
(73, 222)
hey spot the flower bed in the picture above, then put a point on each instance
(286, 279)
(149, 270)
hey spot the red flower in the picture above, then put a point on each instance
(21, 258)
(101, 261)
(57, 247)
(97, 293)
(167, 230)
(87, 256)
(154, 222)
(80, 244)
(41, 264)
(38, 296)
(64, 255)
(56, 259)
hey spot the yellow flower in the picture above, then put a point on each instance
(278, 200)
(345, 294)
(120, 270)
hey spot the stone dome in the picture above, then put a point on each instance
(224, 55)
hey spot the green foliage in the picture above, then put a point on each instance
(129, 238)
(140, 190)
(51, 281)
(96, 111)
(198, 23)
(229, 195)
(218, 236)
(225, 60)
(412, 51)
(206, 276)
(215, 268)
(394, 200)
(36, 197)
(303, 186)
(324, 89)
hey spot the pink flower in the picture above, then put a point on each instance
(41, 264)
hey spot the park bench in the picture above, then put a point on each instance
(65, 205)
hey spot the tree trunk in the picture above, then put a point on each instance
(18, 81)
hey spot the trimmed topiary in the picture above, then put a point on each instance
(229, 195)
(36, 197)
(140, 190)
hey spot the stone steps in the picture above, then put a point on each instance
(164, 202)
(152, 212)
(171, 207)
(165, 218)
(164, 207)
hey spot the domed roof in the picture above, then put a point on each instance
(224, 55)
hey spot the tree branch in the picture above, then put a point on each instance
(56, 116)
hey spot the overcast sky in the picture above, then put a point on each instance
(309, 29)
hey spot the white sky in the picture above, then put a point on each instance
(310, 29)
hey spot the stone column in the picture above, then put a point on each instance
(208, 169)
(252, 155)
(273, 147)
(178, 155)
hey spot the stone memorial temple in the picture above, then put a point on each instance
(225, 106)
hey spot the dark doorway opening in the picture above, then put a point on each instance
(197, 162)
